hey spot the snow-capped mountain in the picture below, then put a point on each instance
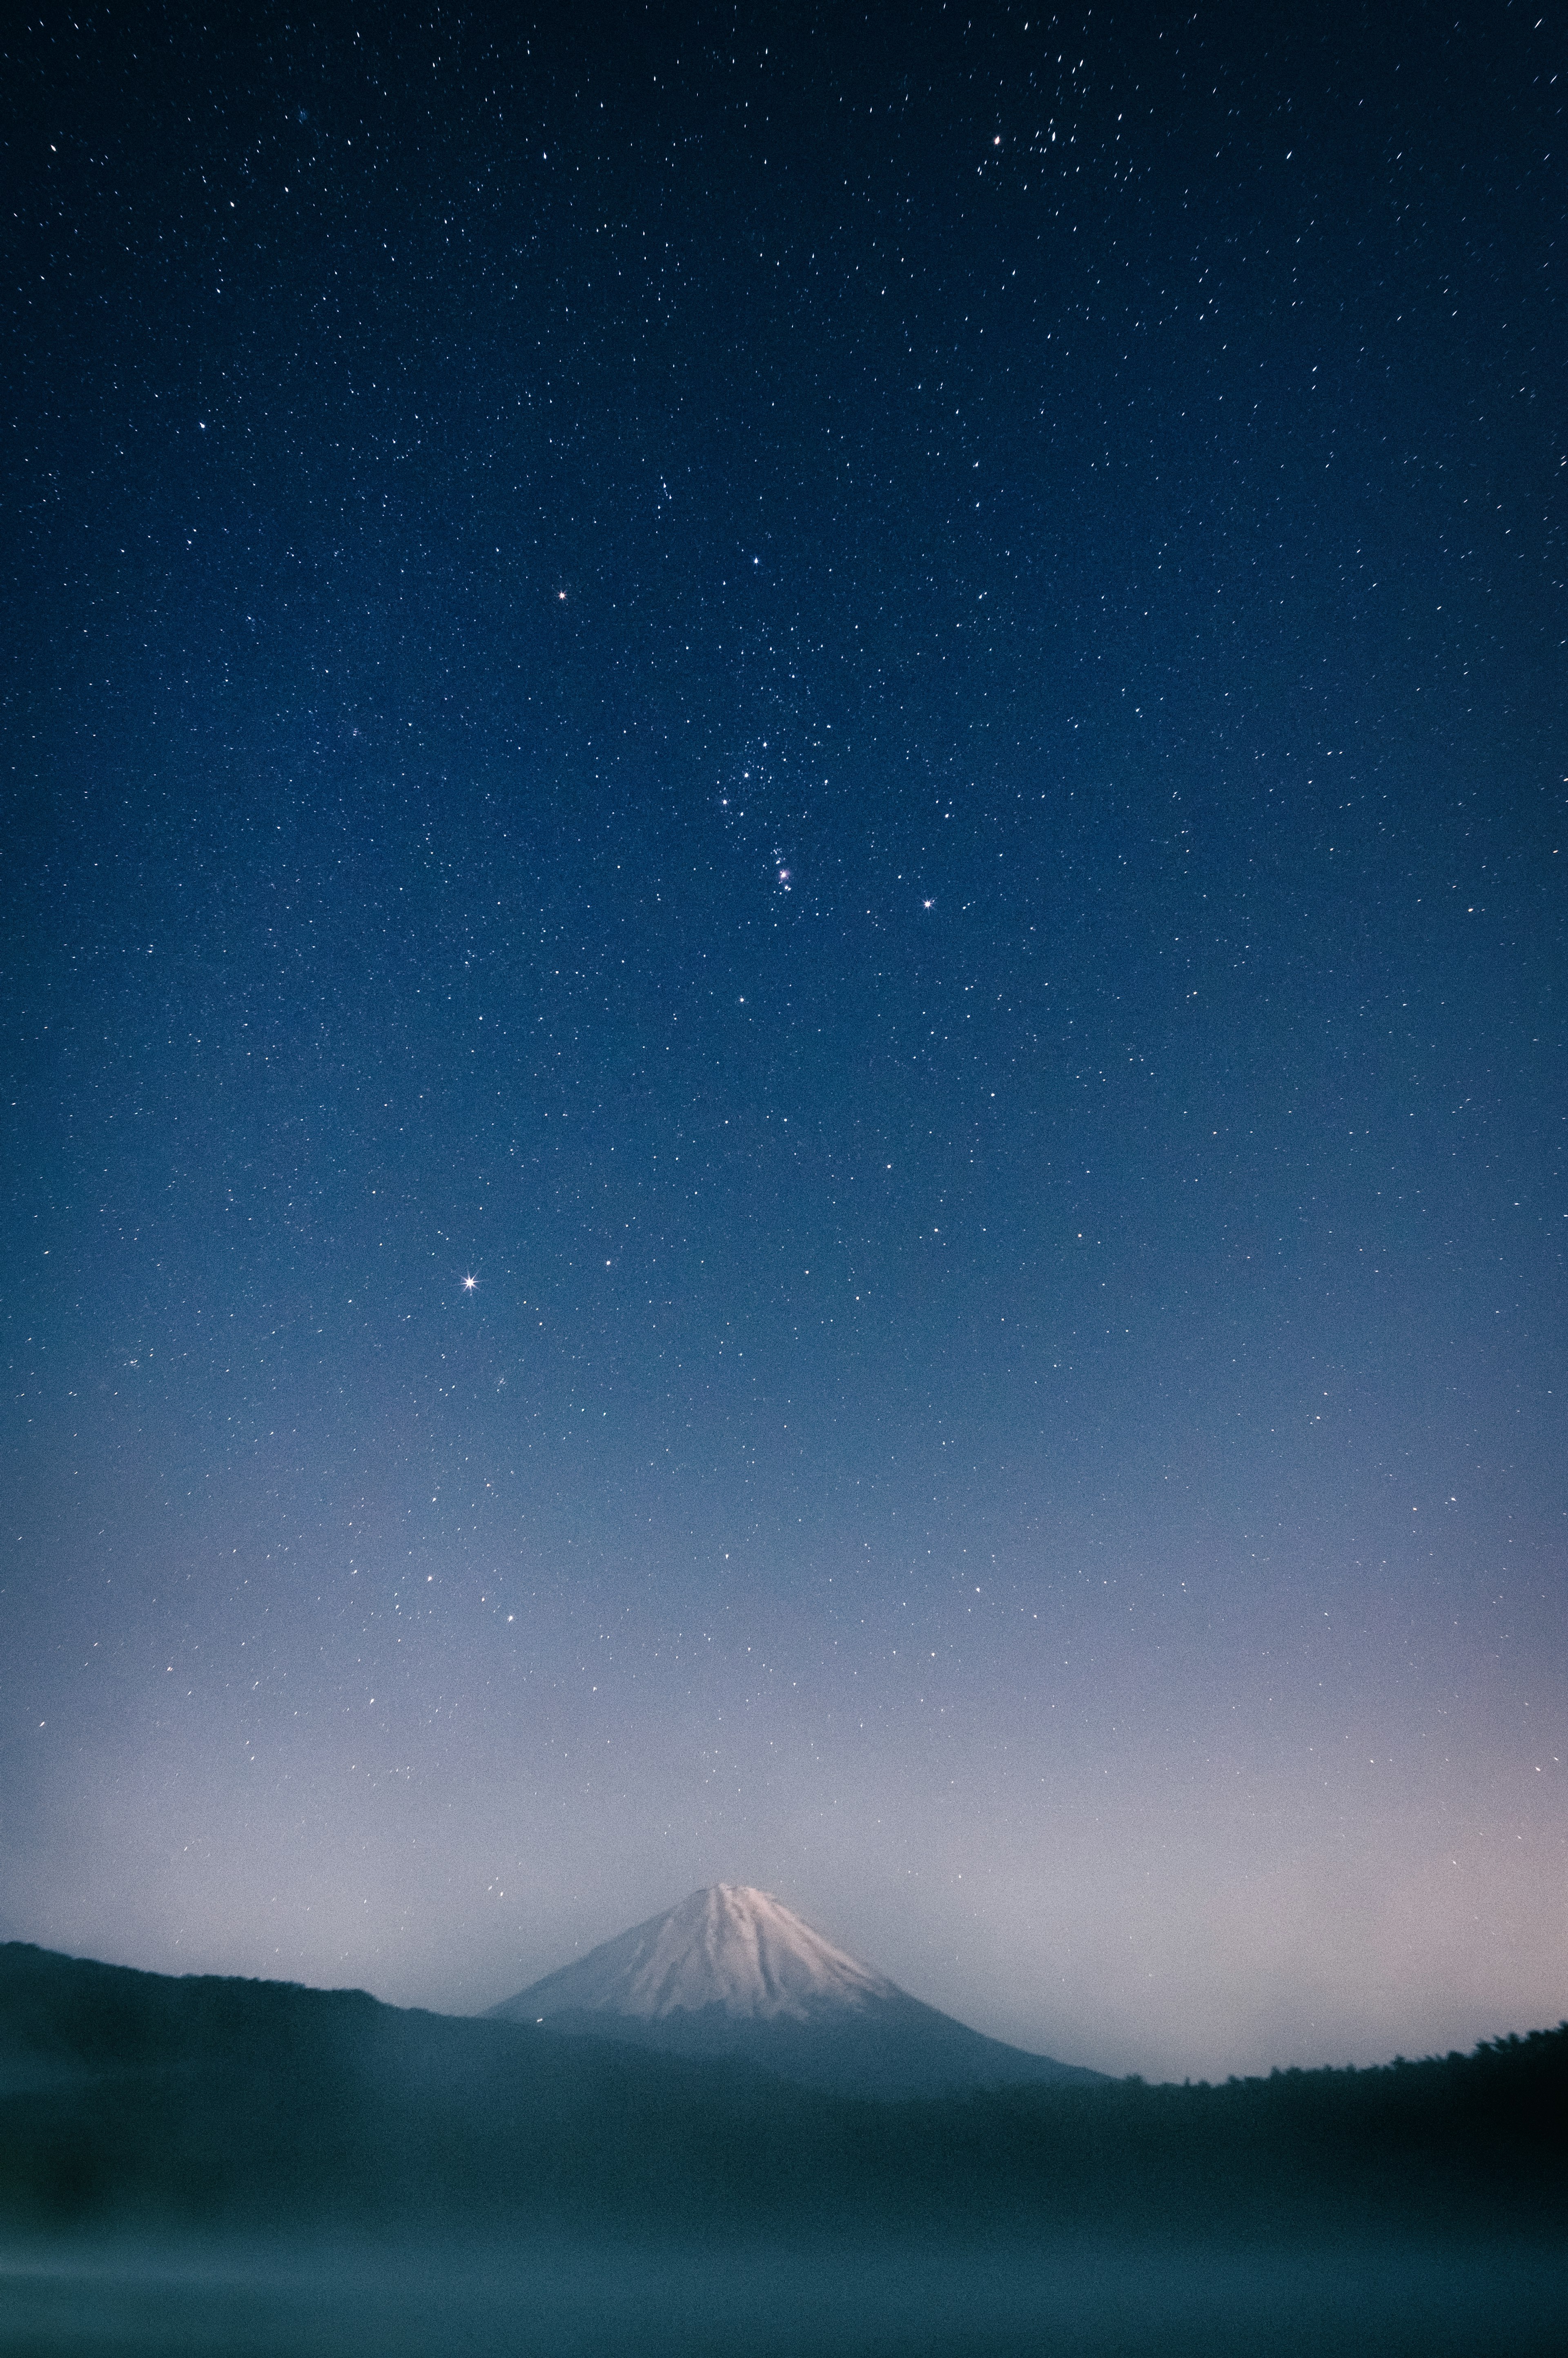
(732, 1971)
(730, 1946)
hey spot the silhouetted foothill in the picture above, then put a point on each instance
(139, 2099)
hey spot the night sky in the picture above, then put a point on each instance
(784, 986)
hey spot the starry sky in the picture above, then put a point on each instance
(784, 1003)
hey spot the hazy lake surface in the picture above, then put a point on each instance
(531, 2300)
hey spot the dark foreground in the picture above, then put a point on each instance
(1082, 2299)
(224, 2167)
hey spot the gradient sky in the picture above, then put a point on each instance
(784, 1004)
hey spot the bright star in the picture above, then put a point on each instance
(470, 1284)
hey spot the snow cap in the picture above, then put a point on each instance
(729, 1946)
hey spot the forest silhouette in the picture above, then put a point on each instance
(136, 2100)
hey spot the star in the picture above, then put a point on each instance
(471, 1285)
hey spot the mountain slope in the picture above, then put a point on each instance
(730, 1946)
(733, 1972)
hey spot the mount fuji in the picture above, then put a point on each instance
(733, 1972)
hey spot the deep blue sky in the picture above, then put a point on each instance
(869, 709)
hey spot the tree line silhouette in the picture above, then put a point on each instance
(133, 2098)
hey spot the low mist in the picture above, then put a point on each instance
(570, 2300)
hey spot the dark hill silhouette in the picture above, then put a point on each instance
(136, 2098)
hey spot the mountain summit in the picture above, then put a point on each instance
(734, 1971)
(730, 1946)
